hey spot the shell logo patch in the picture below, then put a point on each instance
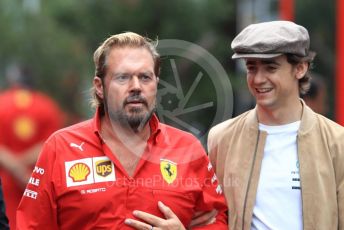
(168, 170)
(24, 128)
(79, 172)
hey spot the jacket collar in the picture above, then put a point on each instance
(307, 119)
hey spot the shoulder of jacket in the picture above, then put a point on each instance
(228, 125)
(331, 128)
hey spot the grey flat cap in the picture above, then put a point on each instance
(271, 39)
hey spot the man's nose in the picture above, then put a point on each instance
(259, 77)
(135, 83)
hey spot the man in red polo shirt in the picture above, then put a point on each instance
(123, 169)
(28, 117)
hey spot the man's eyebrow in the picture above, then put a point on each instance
(263, 61)
(251, 62)
(118, 74)
(126, 73)
(147, 72)
(270, 61)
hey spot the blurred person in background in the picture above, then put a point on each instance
(316, 97)
(27, 118)
(280, 164)
(123, 169)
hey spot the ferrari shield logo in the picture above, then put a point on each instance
(168, 170)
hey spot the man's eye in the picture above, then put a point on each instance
(122, 78)
(145, 78)
(250, 69)
(271, 68)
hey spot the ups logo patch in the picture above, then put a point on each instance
(103, 168)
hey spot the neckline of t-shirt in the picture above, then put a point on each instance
(276, 129)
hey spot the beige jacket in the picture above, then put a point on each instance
(236, 150)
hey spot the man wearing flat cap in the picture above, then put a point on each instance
(280, 164)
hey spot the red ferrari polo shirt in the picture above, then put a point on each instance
(79, 184)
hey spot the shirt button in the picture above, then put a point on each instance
(131, 183)
(131, 190)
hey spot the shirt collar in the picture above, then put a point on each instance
(155, 127)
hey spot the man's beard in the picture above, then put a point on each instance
(135, 119)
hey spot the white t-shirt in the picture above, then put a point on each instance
(278, 202)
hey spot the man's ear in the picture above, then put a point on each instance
(301, 69)
(98, 85)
